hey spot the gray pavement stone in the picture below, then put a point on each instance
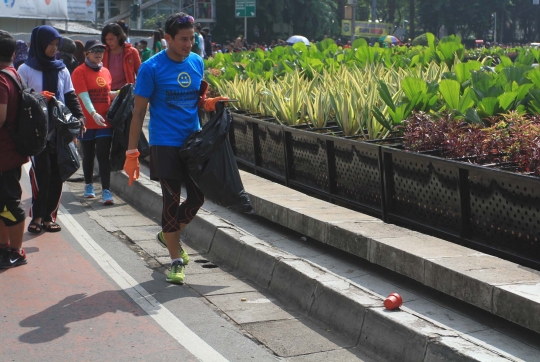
(396, 335)
(343, 309)
(452, 349)
(340, 355)
(131, 220)
(289, 338)
(471, 278)
(406, 255)
(444, 316)
(295, 281)
(138, 233)
(217, 283)
(498, 342)
(518, 303)
(261, 260)
(338, 267)
(256, 308)
(383, 288)
(226, 247)
(201, 230)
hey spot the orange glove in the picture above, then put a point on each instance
(132, 166)
(210, 103)
(48, 95)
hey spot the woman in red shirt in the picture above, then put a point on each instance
(92, 83)
(120, 58)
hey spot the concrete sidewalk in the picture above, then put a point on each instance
(346, 302)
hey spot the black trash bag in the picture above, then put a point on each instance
(121, 107)
(120, 140)
(212, 165)
(67, 127)
(119, 116)
(67, 158)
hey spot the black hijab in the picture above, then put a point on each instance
(40, 39)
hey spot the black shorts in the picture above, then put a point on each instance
(165, 163)
(11, 212)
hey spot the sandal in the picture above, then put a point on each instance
(52, 227)
(35, 228)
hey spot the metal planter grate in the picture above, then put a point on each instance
(271, 149)
(357, 175)
(307, 160)
(242, 139)
(425, 190)
(505, 212)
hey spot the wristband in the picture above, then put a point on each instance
(128, 152)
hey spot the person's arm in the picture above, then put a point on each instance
(72, 102)
(137, 120)
(136, 62)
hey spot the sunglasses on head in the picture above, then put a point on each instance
(184, 20)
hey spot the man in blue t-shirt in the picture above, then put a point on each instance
(172, 82)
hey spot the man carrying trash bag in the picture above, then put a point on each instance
(172, 82)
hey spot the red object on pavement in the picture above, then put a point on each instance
(394, 301)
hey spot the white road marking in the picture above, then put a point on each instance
(168, 321)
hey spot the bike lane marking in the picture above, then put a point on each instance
(167, 320)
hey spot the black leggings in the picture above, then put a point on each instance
(100, 148)
(174, 214)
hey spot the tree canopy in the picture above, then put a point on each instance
(517, 20)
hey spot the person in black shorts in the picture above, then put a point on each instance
(171, 82)
(11, 213)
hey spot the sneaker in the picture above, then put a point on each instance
(176, 275)
(106, 197)
(4, 253)
(89, 191)
(13, 259)
(161, 240)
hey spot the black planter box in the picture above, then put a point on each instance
(492, 210)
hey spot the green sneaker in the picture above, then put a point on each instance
(161, 239)
(184, 256)
(176, 275)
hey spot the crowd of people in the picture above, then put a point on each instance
(168, 80)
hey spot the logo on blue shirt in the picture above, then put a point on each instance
(184, 80)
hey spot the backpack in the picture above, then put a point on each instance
(30, 132)
(196, 48)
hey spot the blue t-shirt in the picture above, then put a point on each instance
(173, 90)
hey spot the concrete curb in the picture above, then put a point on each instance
(355, 313)
(485, 281)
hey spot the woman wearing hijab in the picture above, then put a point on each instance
(43, 73)
(21, 53)
(120, 58)
(92, 84)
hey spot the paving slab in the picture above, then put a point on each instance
(518, 303)
(138, 233)
(451, 348)
(471, 278)
(382, 288)
(340, 355)
(282, 337)
(406, 255)
(257, 307)
(501, 344)
(217, 283)
(445, 316)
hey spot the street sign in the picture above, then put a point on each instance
(245, 8)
